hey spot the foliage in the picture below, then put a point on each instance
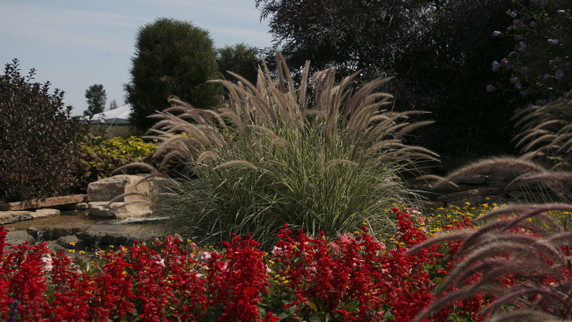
(173, 58)
(96, 97)
(323, 168)
(100, 157)
(439, 52)
(350, 277)
(354, 34)
(39, 138)
(546, 133)
(239, 59)
(539, 66)
(523, 264)
(446, 71)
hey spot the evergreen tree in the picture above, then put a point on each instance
(240, 59)
(173, 58)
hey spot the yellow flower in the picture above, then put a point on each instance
(81, 252)
(71, 250)
(72, 243)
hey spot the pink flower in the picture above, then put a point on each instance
(47, 263)
(205, 256)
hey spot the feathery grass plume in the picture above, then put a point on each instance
(530, 177)
(323, 163)
(524, 268)
(546, 133)
(505, 164)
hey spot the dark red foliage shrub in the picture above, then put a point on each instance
(38, 138)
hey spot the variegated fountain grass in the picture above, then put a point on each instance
(318, 158)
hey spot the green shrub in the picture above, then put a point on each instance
(100, 157)
(275, 155)
(38, 139)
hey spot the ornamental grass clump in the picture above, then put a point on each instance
(520, 260)
(319, 158)
(546, 133)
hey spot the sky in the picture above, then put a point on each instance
(77, 43)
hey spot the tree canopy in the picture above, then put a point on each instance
(240, 59)
(438, 51)
(172, 58)
(96, 97)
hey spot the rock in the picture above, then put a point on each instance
(97, 238)
(71, 242)
(133, 187)
(101, 210)
(12, 216)
(42, 213)
(109, 188)
(55, 232)
(53, 202)
(119, 210)
(18, 237)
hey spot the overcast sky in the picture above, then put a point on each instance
(78, 43)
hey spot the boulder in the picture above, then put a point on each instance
(123, 188)
(12, 216)
(18, 237)
(47, 212)
(119, 210)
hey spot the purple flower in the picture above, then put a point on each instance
(561, 12)
(547, 76)
(523, 93)
(516, 22)
(496, 66)
(518, 85)
(559, 74)
(513, 14)
(552, 41)
(532, 24)
(522, 45)
(513, 80)
(524, 70)
(517, 37)
(496, 33)
(491, 88)
(504, 61)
